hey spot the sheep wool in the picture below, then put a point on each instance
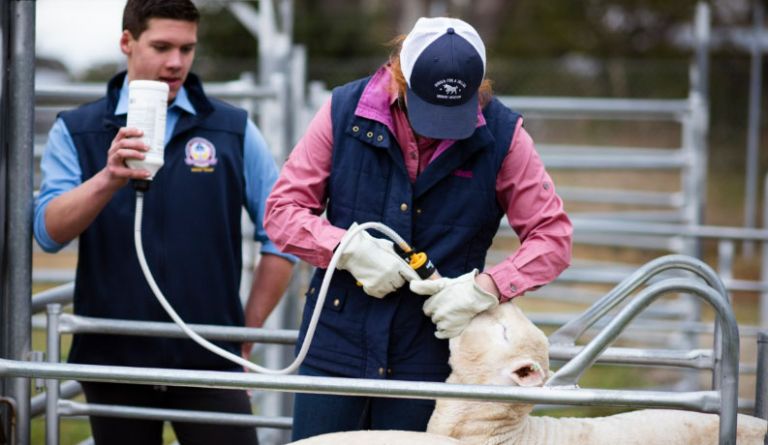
(502, 347)
(378, 438)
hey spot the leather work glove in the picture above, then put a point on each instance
(454, 302)
(374, 263)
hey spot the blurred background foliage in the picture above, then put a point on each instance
(594, 48)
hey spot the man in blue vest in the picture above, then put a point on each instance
(215, 163)
(423, 147)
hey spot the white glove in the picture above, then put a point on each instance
(454, 302)
(374, 263)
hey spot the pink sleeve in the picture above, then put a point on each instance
(535, 212)
(293, 218)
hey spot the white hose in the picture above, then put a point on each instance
(315, 314)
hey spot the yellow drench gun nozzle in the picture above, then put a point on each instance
(418, 261)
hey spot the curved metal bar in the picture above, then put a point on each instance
(59, 294)
(67, 390)
(571, 331)
(12, 416)
(570, 373)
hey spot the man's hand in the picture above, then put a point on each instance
(127, 144)
(453, 302)
(374, 263)
(69, 214)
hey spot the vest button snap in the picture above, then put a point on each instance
(380, 137)
(355, 128)
(403, 207)
(418, 211)
(381, 371)
(336, 302)
(369, 134)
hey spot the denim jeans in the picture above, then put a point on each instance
(315, 414)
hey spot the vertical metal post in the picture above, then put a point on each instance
(701, 42)
(764, 261)
(18, 284)
(700, 104)
(696, 173)
(761, 387)
(753, 128)
(298, 97)
(6, 414)
(725, 250)
(53, 353)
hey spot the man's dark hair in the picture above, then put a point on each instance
(137, 13)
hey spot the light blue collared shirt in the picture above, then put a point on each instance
(61, 170)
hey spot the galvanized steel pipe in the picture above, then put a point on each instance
(704, 401)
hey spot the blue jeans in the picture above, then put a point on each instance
(315, 414)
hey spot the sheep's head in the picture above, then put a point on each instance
(500, 347)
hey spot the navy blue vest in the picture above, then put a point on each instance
(191, 236)
(450, 212)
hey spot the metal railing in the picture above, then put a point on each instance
(723, 401)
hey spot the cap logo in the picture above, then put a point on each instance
(449, 89)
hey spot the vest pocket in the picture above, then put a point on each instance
(334, 299)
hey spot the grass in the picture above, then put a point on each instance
(72, 431)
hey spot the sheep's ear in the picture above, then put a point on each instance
(528, 373)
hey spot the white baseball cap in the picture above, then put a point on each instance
(443, 62)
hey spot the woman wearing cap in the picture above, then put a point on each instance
(422, 147)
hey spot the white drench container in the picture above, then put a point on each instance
(147, 109)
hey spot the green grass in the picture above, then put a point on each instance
(71, 431)
(75, 430)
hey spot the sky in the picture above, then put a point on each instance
(79, 33)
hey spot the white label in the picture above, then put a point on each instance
(148, 114)
(147, 108)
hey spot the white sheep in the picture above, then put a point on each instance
(502, 347)
(378, 437)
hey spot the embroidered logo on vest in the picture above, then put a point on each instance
(200, 154)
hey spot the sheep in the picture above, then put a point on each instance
(378, 437)
(502, 347)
